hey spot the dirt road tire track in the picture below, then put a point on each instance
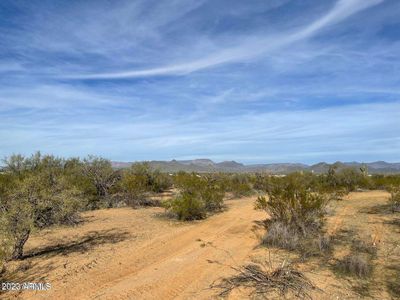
(180, 263)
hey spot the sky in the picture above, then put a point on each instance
(256, 81)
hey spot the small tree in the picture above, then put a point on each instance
(34, 195)
(33, 203)
(103, 177)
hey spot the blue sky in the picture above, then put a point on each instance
(254, 81)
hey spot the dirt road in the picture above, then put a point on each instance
(154, 258)
(139, 254)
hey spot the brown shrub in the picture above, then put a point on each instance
(265, 280)
(355, 265)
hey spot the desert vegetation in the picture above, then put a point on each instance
(198, 196)
(43, 191)
(297, 207)
(264, 279)
(394, 200)
(296, 213)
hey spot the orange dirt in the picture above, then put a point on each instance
(136, 254)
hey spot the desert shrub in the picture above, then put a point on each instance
(239, 185)
(261, 181)
(290, 203)
(394, 200)
(296, 216)
(160, 181)
(199, 195)
(339, 182)
(362, 246)
(355, 265)
(103, 178)
(152, 179)
(76, 176)
(187, 207)
(384, 182)
(139, 182)
(36, 196)
(133, 189)
(351, 179)
(281, 236)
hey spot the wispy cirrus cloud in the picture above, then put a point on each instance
(249, 48)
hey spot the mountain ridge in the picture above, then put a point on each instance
(203, 165)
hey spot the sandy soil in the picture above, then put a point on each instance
(139, 254)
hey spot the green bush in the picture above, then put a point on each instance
(292, 204)
(296, 215)
(139, 181)
(187, 207)
(199, 196)
(385, 182)
(239, 185)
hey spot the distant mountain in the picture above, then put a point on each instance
(229, 164)
(206, 165)
(198, 162)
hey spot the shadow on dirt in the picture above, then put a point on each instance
(381, 209)
(81, 244)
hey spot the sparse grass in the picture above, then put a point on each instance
(364, 247)
(355, 265)
(393, 285)
(281, 236)
(265, 281)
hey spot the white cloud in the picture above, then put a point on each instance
(251, 48)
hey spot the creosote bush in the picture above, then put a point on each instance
(296, 216)
(198, 196)
(294, 205)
